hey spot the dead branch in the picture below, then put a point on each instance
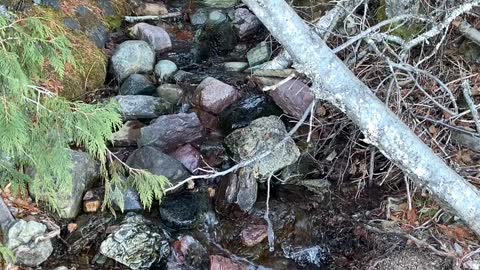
(132, 19)
(335, 83)
(438, 28)
(469, 32)
(467, 93)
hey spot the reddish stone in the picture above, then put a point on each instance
(245, 22)
(208, 120)
(293, 97)
(189, 157)
(214, 96)
(187, 253)
(254, 234)
(221, 263)
(156, 36)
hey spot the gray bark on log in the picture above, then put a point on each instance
(334, 82)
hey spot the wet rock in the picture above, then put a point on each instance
(214, 96)
(199, 18)
(293, 97)
(263, 134)
(170, 92)
(259, 54)
(183, 211)
(188, 254)
(156, 36)
(86, 231)
(167, 132)
(216, 17)
(245, 22)
(132, 56)
(218, 262)
(20, 239)
(213, 152)
(158, 163)
(85, 171)
(151, 9)
(243, 112)
(313, 256)
(137, 243)
(214, 40)
(242, 188)
(254, 234)
(142, 107)
(235, 66)
(136, 84)
(189, 157)
(165, 69)
(128, 134)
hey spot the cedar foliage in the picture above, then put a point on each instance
(37, 127)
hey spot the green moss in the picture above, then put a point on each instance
(90, 70)
(406, 31)
(114, 22)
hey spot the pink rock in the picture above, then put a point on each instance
(245, 22)
(187, 253)
(221, 263)
(293, 97)
(214, 96)
(156, 36)
(254, 234)
(189, 157)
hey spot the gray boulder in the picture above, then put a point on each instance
(245, 22)
(165, 69)
(137, 243)
(132, 56)
(85, 171)
(158, 163)
(167, 132)
(262, 135)
(259, 54)
(142, 107)
(136, 84)
(21, 240)
(156, 36)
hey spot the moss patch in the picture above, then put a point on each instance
(90, 70)
(406, 31)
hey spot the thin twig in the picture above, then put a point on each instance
(270, 233)
(467, 93)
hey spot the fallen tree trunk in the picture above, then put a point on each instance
(335, 83)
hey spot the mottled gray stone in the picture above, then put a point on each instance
(170, 92)
(21, 240)
(85, 171)
(136, 84)
(235, 66)
(142, 107)
(99, 35)
(137, 243)
(156, 36)
(165, 69)
(259, 54)
(263, 134)
(199, 18)
(242, 188)
(132, 56)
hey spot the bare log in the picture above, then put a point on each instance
(335, 83)
(323, 27)
(132, 19)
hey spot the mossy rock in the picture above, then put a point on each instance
(90, 71)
